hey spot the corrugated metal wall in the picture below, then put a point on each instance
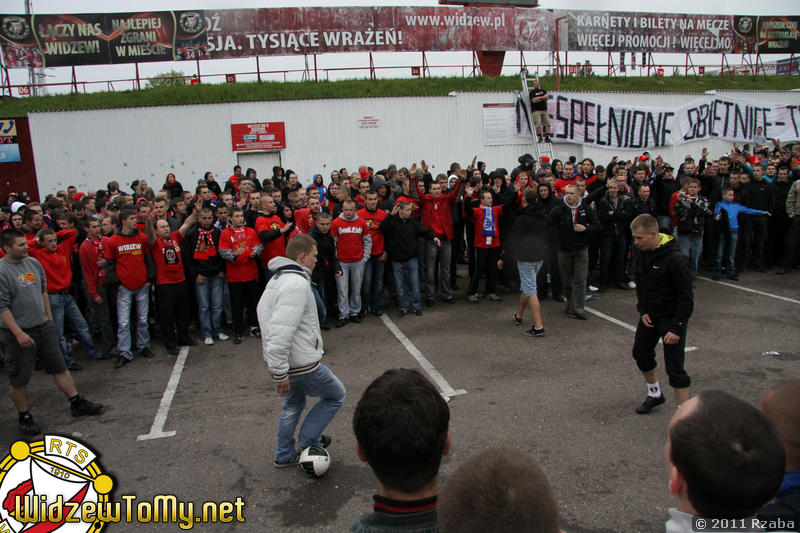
(89, 148)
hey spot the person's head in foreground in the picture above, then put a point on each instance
(724, 457)
(499, 490)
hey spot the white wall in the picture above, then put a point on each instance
(90, 148)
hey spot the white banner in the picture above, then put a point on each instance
(577, 119)
(737, 120)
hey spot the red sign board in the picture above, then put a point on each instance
(230, 78)
(702, 70)
(258, 136)
(24, 90)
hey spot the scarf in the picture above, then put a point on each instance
(488, 221)
(102, 275)
(205, 244)
(239, 238)
(172, 255)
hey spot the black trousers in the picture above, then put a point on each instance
(244, 294)
(485, 263)
(644, 351)
(173, 307)
(753, 238)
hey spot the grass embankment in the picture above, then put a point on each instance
(276, 91)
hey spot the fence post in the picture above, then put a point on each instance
(258, 70)
(138, 82)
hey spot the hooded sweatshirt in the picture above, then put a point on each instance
(564, 217)
(663, 284)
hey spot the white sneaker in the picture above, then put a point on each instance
(631, 284)
(208, 341)
(222, 337)
(592, 288)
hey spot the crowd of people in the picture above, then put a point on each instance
(113, 267)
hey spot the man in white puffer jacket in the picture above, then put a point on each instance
(292, 342)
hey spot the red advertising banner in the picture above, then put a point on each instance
(258, 136)
(65, 40)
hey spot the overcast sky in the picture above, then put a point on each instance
(732, 7)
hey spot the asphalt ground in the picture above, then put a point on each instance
(567, 399)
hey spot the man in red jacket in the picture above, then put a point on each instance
(126, 253)
(372, 281)
(437, 216)
(353, 247)
(172, 293)
(240, 247)
(55, 258)
(271, 230)
(95, 282)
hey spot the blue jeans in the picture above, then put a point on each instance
(406, 277)
(691, 246)
(322, 313)
(372, 284)
(209, 303)
(349, 286)
(730, 260)
(124, 299)
(331, 393)
(63, 305)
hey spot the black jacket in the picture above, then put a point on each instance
(663, 284)
(639, 206)
(205, 267)
(326, 254)
(758, 195)
(662, 191)
(527, 239)
(570, 240)
(401, 237)
(614, 220)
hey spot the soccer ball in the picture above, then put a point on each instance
(315, 461)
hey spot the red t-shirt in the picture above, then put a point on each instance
(56, 264)
(276, 247)
(244, 267)
(167, 257)
(373, 220)
(486, 241)
(128, 253)
(349, 246)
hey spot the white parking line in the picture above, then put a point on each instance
(426, 365)
(157, 429)
(625, 325)
(754, 291)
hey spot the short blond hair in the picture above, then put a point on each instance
(646, 223)
(299, 244)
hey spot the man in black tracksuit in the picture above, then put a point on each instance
(665, 303)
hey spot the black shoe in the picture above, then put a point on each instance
(325, 326)
(428, 302)
(734, 277)
(560, 298)
(622, 286)
(418, 312)
(146, 353)
(602, 288)
(121, 361)
(649, 403)
(291, 462)
(780, 271)
(173, 350)
(356, 319)
(325, 441)
(576, 315)
(403, 312)
(86, 408)
(535, 332)
(377, 312)
(450, 300)
(237, 339)
(341, 322)
(762, 270)
(103, 355)
(362, 314)
(187, 341)
(547, 139)
(517, 320)
(28, 426)
(715, 277)
(74, 367)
